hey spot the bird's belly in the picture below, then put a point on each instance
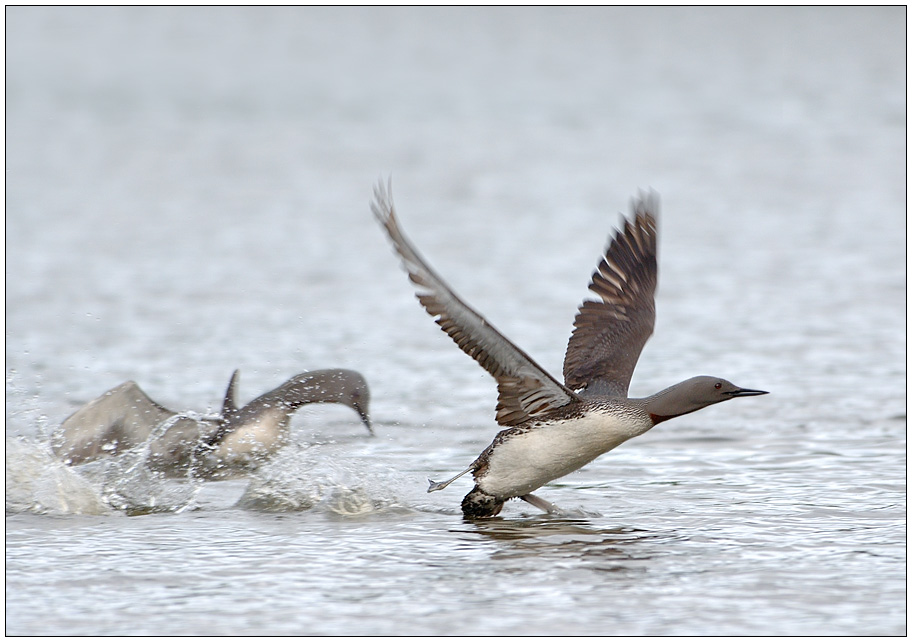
(527, 460)
(252, 439)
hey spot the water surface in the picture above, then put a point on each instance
(187, 193)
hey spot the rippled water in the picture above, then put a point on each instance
(187, 194)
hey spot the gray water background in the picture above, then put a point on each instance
(187, 193)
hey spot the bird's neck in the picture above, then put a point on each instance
(668, 404)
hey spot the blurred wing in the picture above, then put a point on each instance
(610, 333)
(118, 420)
(525, 390)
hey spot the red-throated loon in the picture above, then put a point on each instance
(207, 447)
(553, 429)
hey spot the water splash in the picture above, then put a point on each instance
(36, 482)
(316, 477)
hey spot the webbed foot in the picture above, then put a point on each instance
(544, 505)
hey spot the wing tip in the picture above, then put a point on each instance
(382, 203)
(645, 204)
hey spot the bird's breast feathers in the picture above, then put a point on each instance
(526, 460)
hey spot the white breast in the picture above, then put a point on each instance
(254, 439)
(528, 460)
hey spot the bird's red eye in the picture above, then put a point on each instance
(718, 385)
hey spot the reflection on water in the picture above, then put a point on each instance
(548, 539)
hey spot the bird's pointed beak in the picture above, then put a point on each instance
(365, 418)
(747, 392)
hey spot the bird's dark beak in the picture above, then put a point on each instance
(747, 392)
(365, 418)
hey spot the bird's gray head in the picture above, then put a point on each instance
(334, 385)
(359, 400)
(694, 394)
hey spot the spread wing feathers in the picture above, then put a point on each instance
(525, 390)
(610, 333)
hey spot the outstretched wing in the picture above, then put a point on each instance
(610, 333)
(118, 420)
(525, 390)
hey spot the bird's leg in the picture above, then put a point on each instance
(544, 505)
(441, 485)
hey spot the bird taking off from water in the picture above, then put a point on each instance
(552, 429)
(181, 444)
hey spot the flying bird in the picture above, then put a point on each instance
(553, 428)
